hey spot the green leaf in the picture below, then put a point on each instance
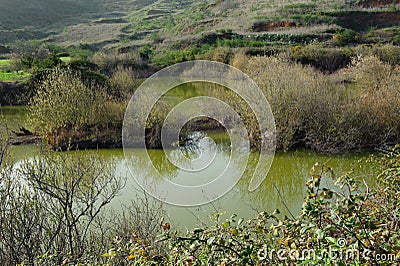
(331, 239)
(320, 234)
(210, 240)
(226, 224)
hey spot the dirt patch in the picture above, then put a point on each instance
(11, 93)
(365, 20)
(267, 26)
(374, 3)
(24, 137)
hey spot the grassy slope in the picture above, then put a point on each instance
(45, 13)
(29, 19)
(122, 23)
(173, 20)
(10, 75)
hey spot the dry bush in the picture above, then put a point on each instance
(74, 190)
(386, 53)
(219, 54)
(295, 93)
(314, 110)
(377, 109)
(239, 60)
(122, 83)
(111, 60)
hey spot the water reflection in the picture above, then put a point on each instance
(285, 181)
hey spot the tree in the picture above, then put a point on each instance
(28, 55)
(64, 102)
(75, 189)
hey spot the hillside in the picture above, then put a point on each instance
(129, 24)
(31, 19)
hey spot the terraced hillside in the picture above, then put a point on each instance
(133, 23)
(30, 19)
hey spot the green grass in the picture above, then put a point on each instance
(65, 59)
(13, 76)
(4, 62)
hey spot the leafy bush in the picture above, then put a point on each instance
(325, 59)
(345, 37)
(32, 56)
(65, 108)
(346, 223)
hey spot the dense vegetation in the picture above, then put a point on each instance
(355, 108)
(329, 69)
(61, 219)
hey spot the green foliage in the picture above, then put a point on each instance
(66, 107)
(240, 42)
(33, 56)
(169, 57)
(80, 53)
(4, 62)
(345, 37)
(344, 223)
(146, 53)
(325, 59)
(13, 76)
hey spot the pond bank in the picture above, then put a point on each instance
(11, 92)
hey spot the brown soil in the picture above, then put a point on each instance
(365, 20)
(374, 3)
(265, 26)
(10, 93)
(23, 137)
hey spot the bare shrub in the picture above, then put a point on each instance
(138, 231)
(123, 83)
(314, 110)
(73, 189)
(109, 61)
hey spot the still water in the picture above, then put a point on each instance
(283, 189)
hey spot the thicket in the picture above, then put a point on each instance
(65, 109)
(354, 109)
(53, 213)
(347, 223)
(54, 210)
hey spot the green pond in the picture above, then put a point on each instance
(283, 189)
